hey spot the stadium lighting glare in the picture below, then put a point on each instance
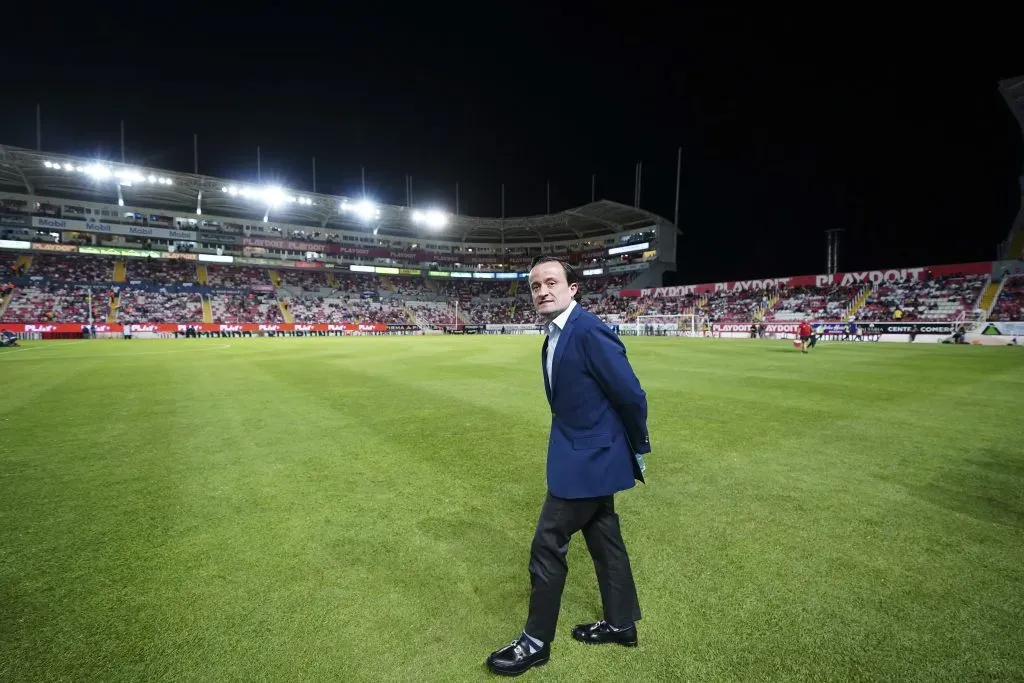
(272, 196)
(99, 172)
(364, 209)
(432, 218)
(129, 176)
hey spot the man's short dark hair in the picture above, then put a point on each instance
(571, 275)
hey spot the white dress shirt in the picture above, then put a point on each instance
(555, 328)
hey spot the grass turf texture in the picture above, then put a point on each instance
(361, 509)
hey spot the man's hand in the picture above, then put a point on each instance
(640, 461)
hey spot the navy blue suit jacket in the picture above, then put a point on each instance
(598, 412)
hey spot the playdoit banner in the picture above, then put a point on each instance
(841, 328)
(844, 279)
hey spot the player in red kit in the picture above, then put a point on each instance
(805, 335)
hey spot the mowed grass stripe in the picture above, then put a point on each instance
(334, 508)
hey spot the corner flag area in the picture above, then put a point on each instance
(333, 508)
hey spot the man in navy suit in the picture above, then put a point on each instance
(598, 438)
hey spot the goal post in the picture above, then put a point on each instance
(675, 325)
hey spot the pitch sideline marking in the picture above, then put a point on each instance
(121, 355)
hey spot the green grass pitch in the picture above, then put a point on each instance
(361, 509)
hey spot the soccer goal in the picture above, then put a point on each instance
(676, 325)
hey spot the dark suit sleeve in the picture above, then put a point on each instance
(607, 362)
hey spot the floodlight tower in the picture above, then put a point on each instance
(832, 258)
(1012, 90)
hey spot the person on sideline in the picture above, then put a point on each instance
(598, 438)
(805, 335)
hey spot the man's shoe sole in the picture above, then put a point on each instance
(510, 674)
(634, 643)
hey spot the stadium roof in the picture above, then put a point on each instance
(74, 178)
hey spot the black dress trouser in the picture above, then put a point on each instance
(559, 519)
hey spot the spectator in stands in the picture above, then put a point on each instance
(1010, 305)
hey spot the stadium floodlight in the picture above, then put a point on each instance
(433, 218)
(271, 196)
(127, 176)
(97, 171)
(274, 196)
(364, 209)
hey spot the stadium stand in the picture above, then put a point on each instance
(8, 265)
(139, 306)
(353, 297)
(160, 272)
(245, 308)
(345, 311)
(75, 257)
(305, 281)
(1010, 304)
(53, 302)
(81, 269)
(828, 303)
(934, 298)
(431, 315)
(239, 277)
(611, 284)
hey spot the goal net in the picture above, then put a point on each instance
(676, 325)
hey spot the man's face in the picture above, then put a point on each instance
(551, 293)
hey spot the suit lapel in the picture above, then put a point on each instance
(563, 342)
(544, 368)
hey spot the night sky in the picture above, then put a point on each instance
(890, 127)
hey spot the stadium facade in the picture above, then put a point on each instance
(254, 224)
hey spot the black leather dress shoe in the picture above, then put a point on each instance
(600, 632)
(515, 658)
